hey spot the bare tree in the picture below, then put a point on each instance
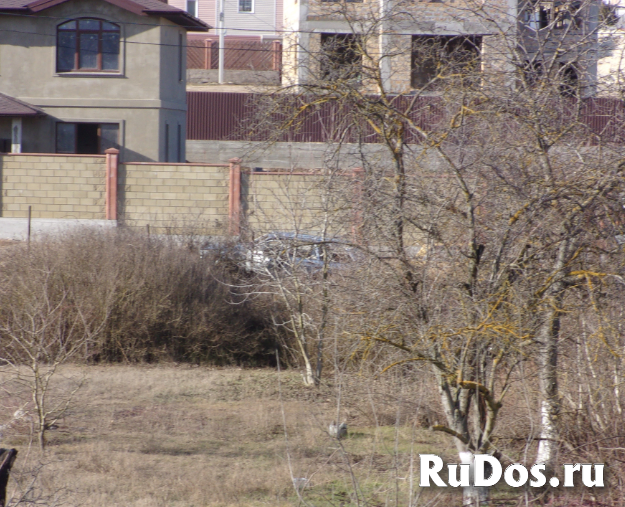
(46, 322)
(298, 251)
(490, 170)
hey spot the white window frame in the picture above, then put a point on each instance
(246, 12)
(196, 8)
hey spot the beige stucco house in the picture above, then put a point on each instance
(81, 76)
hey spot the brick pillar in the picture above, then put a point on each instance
(234, 196)
(358, 176)
(112, 160)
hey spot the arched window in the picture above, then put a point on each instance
(87, 45)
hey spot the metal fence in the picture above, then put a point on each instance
(253, 117)
(220, 116)
(238, 55)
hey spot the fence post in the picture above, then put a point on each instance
(208, 57)
(112, 160)
(277, 55)
(234, 196)
(357, 219)
(213, 49)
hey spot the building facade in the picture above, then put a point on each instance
(104, 73)
(409, 42)
(253, 19)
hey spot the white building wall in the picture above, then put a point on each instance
(260, 22)
(266, 20)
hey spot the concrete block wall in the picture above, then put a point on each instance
(283, 201)
(173, 197)
(56, 186)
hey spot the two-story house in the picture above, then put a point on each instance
(81, 76)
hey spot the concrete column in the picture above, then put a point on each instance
(210, 48)
(385, 50)
(276, 48)
(16, 135)
(112, 161)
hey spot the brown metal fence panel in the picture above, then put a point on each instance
(248, 55)
(238, 55)
(605, 118)
(214, 116)
(233, 116)
(196, 54)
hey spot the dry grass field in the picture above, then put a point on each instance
(187, 436)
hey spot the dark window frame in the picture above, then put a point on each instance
(568, 14)
(533, 72)
(570, 80)
(430, 51)
(195, 7)
(100, 149)
(77, 31)
(242, 6)
(340, 57)
(559, 14)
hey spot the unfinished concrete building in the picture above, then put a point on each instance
(406, 41)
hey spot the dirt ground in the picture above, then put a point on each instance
(191, 436)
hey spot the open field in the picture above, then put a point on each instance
(190, 436)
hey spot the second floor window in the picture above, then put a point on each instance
(246, 5)
(85, 45)
(563, 14)
(192, 7)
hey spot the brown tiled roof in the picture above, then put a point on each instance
(10, 106)
(141, 7)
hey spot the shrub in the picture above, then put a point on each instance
(134, 298)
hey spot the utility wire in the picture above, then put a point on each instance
(152, 25)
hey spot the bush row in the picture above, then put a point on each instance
(123, 296)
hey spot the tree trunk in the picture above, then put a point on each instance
(7, 458)
(472, 496)
(550, 406)
(310, 379)
(548, 335)
(456, 406)
(41, 436)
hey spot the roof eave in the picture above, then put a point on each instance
(180, 17)
(185, 20)
(22, 115)
(129, 5)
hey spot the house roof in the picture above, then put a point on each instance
(10, 106)
(140, 7)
